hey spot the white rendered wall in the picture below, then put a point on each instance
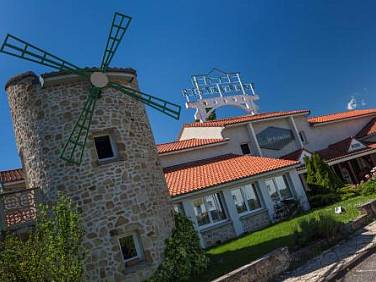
(194, 155)
(200, 132)
(239, 135)
(281, 123)
(319, 137)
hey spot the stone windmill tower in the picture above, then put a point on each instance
(119, 185)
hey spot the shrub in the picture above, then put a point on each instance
(318, 227)
(349, 191)
(320, 178)
(52, 252)
(320, 200)
(184, 257)
(368, 188)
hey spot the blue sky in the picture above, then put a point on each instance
(301, 54)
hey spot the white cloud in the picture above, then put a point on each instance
(352, 104)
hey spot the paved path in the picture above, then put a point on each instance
(330, 261)
(364, 271)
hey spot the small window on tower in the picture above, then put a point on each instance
(104, 147)
(245, 149)
(131, 249)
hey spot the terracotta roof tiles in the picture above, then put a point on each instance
(13, 175)
(206, 173)
(341, 149)
(186, 144)
(245, 118)
(293, 156)
(368, 130)
(341, 116)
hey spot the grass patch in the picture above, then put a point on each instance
(243, 250)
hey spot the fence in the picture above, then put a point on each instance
(18, 208)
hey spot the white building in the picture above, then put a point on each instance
(231, 176)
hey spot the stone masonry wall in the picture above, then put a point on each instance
(255, 221)
(117, 198)
(218, 234)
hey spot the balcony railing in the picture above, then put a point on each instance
(18, 208)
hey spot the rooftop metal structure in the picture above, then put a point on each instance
(217, 89)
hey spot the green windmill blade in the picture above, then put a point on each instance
(99, 79)
(119, 26)
(74, 147)
(168, 108)
(21, 49)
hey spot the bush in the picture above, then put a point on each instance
(52, 252)
(184, 257)
(318, 227)
(320, 178)
(368, 188)
(321, 200)
(349, 191)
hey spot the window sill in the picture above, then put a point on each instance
(108, 161)
(137, 266)
(214, 225)
(251, 213)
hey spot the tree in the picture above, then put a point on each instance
(184, 257)
(320, 177)
(212, 116)
(51, 252)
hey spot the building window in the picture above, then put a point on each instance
(209, 209)
(178, 208)
(104, 147)
(278, 188)
(131, 249)
(246, 198)
(303, 137)
(245, 149)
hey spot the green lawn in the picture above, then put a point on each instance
(247, 248)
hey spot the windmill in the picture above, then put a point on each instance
(74, 147)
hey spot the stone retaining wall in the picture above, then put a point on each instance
(263, 269)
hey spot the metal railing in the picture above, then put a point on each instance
(18, 208)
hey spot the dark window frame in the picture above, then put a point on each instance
(103, 156)
(138, 256)
(248, 149)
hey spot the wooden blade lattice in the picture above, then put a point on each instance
(74, 148)
(168, 108)
(119, 26)
(21, 49)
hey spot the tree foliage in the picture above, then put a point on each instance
(52, 251)
(320, 178)
(184, 258)
(212, 116)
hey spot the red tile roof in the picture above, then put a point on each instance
(336, 150)
(368, 130)
(13, 175)
(341, 116)
(341, 150)
(245, 118)
(186, 144)
(194, 176)
(294, 156)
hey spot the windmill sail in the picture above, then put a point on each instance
(74, 147)
(119, 26)
(168, 108)
(19, 48)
